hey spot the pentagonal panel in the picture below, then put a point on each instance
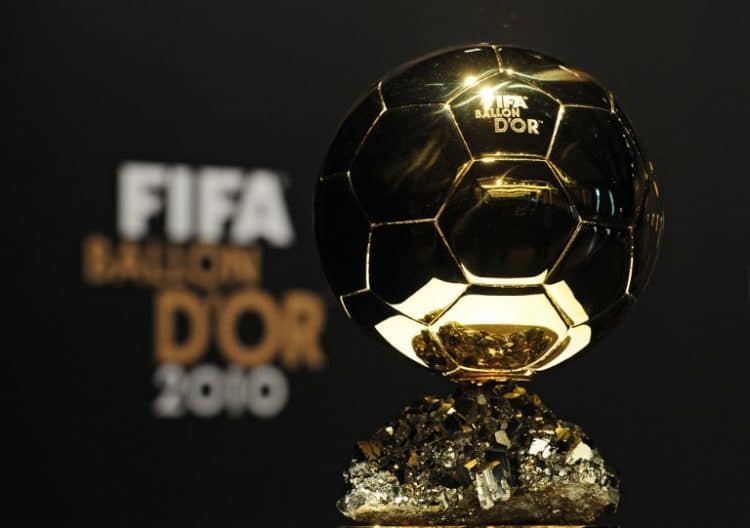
(438, 77)
(342, 231)
(508, 221)
(407, 163)
(499, 329)
(595, 271)
(351, 133)
(411, 269)
(568, 85)
(647, 233)
(600, 164)
(503, 115)
(397, 330)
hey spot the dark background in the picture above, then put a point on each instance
(264, 84)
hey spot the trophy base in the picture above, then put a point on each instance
(492, 456)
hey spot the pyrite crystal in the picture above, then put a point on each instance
(488, 212)
(486, 455)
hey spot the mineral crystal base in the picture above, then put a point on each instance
(487, 455)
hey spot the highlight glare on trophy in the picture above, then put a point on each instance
(488, 212)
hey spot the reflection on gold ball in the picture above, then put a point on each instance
(487, 211)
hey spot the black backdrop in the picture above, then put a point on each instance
(256, 84)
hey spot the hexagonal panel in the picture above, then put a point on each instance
(508, 221)
(351, 133)
(568, 85)
(603, 323)
(503, 115)
(526, 61)
(428, 348)
(642, 172)
(412, 269)
(407, 163)
(626, 123)
(500, 329)
(576, 340)
(342, 231)
(600, 164)
(397, 330)
(595, 270)
(366, 308)
(647, 233)
(438, 77)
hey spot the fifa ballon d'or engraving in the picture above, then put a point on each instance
(488, 212)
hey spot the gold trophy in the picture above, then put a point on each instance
(488, 212)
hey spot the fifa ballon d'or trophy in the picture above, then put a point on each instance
(488, 212)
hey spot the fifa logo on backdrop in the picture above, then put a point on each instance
(505, 110)
(196, 237)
